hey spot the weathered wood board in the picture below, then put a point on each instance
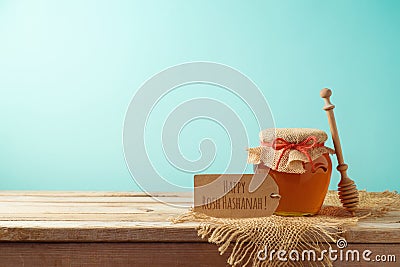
(132, 229)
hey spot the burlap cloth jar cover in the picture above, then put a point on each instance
(287, 149)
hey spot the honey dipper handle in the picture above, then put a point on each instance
(326, 94)
(347, 190)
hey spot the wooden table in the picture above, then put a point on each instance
(132, 229)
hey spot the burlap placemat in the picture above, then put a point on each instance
(251, 235)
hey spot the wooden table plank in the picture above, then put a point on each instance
(142, 254)
(128, 217)
(110, 254)
(93, 194)
(85, 199)
(40, 231)
(41, 228)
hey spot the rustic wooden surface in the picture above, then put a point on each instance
(131, 229)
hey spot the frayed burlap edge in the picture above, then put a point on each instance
(251, 235)
(288, 160)
(292, 160)
(371, 204)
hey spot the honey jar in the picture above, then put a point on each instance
(299, 162)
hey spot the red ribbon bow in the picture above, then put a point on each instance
(303, 147)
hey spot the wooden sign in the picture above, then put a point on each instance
(233, 195)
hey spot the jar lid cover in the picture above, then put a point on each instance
(292, 135)
(287, 149)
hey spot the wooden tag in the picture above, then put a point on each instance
(228, 195)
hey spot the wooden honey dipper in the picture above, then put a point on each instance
(348, 192)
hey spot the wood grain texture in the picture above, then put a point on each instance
(128, 217)
(146, 254)
(131, 229)
(109, 254)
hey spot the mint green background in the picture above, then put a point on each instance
(68, 70)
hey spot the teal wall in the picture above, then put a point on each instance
(68, 70)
